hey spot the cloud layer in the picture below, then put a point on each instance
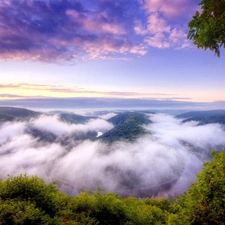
(72, 30)
(30, 90)
(163, 163)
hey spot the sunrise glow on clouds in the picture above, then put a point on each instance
(119, 49)
(20, 91)
(36, 91)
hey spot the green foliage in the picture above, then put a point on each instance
(205, 201)
(148, 211)
(207, 29)
(22, 212)
(28, 200)
(109, 209)
(30, 189)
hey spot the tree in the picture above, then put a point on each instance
(205, 201)
(207, 28)
(29, 200)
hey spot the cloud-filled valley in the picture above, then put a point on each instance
(161, 162)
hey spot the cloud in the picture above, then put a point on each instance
(108, 116)
(170, 8)
(163, 163)
(3, 86)
(70, 91)
(158, 40)
(59, 31)
(176, 103)
(167, 23)
(11, 96)
(156, 24)
(65, 30)
(53, 125)
(81, 103)
(211, 134)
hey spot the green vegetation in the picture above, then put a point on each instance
(207, 28)
(127, 117)
(28, 200)
(128, 126)
(205, 201)
(25, 200)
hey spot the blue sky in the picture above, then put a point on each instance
(107, 49)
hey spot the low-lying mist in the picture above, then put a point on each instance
(161, 163)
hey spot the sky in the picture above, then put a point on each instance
(73, 53)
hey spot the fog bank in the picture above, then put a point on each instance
(162, 163)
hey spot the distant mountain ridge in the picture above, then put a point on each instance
(13, 113)
(204, 117)
(194, 114)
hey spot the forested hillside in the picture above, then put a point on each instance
(128, 127)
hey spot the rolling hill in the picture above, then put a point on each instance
(128, 126)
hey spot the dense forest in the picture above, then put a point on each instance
(29, 200)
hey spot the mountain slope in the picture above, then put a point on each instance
(128, 126)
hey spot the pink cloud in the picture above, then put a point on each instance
(157, 24)
(159, 40)
(57, 31)
(169, 8)
(164, 23)
(94, 23)
(175, 38)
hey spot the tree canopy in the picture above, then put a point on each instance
(204, 203)
(207, 28)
